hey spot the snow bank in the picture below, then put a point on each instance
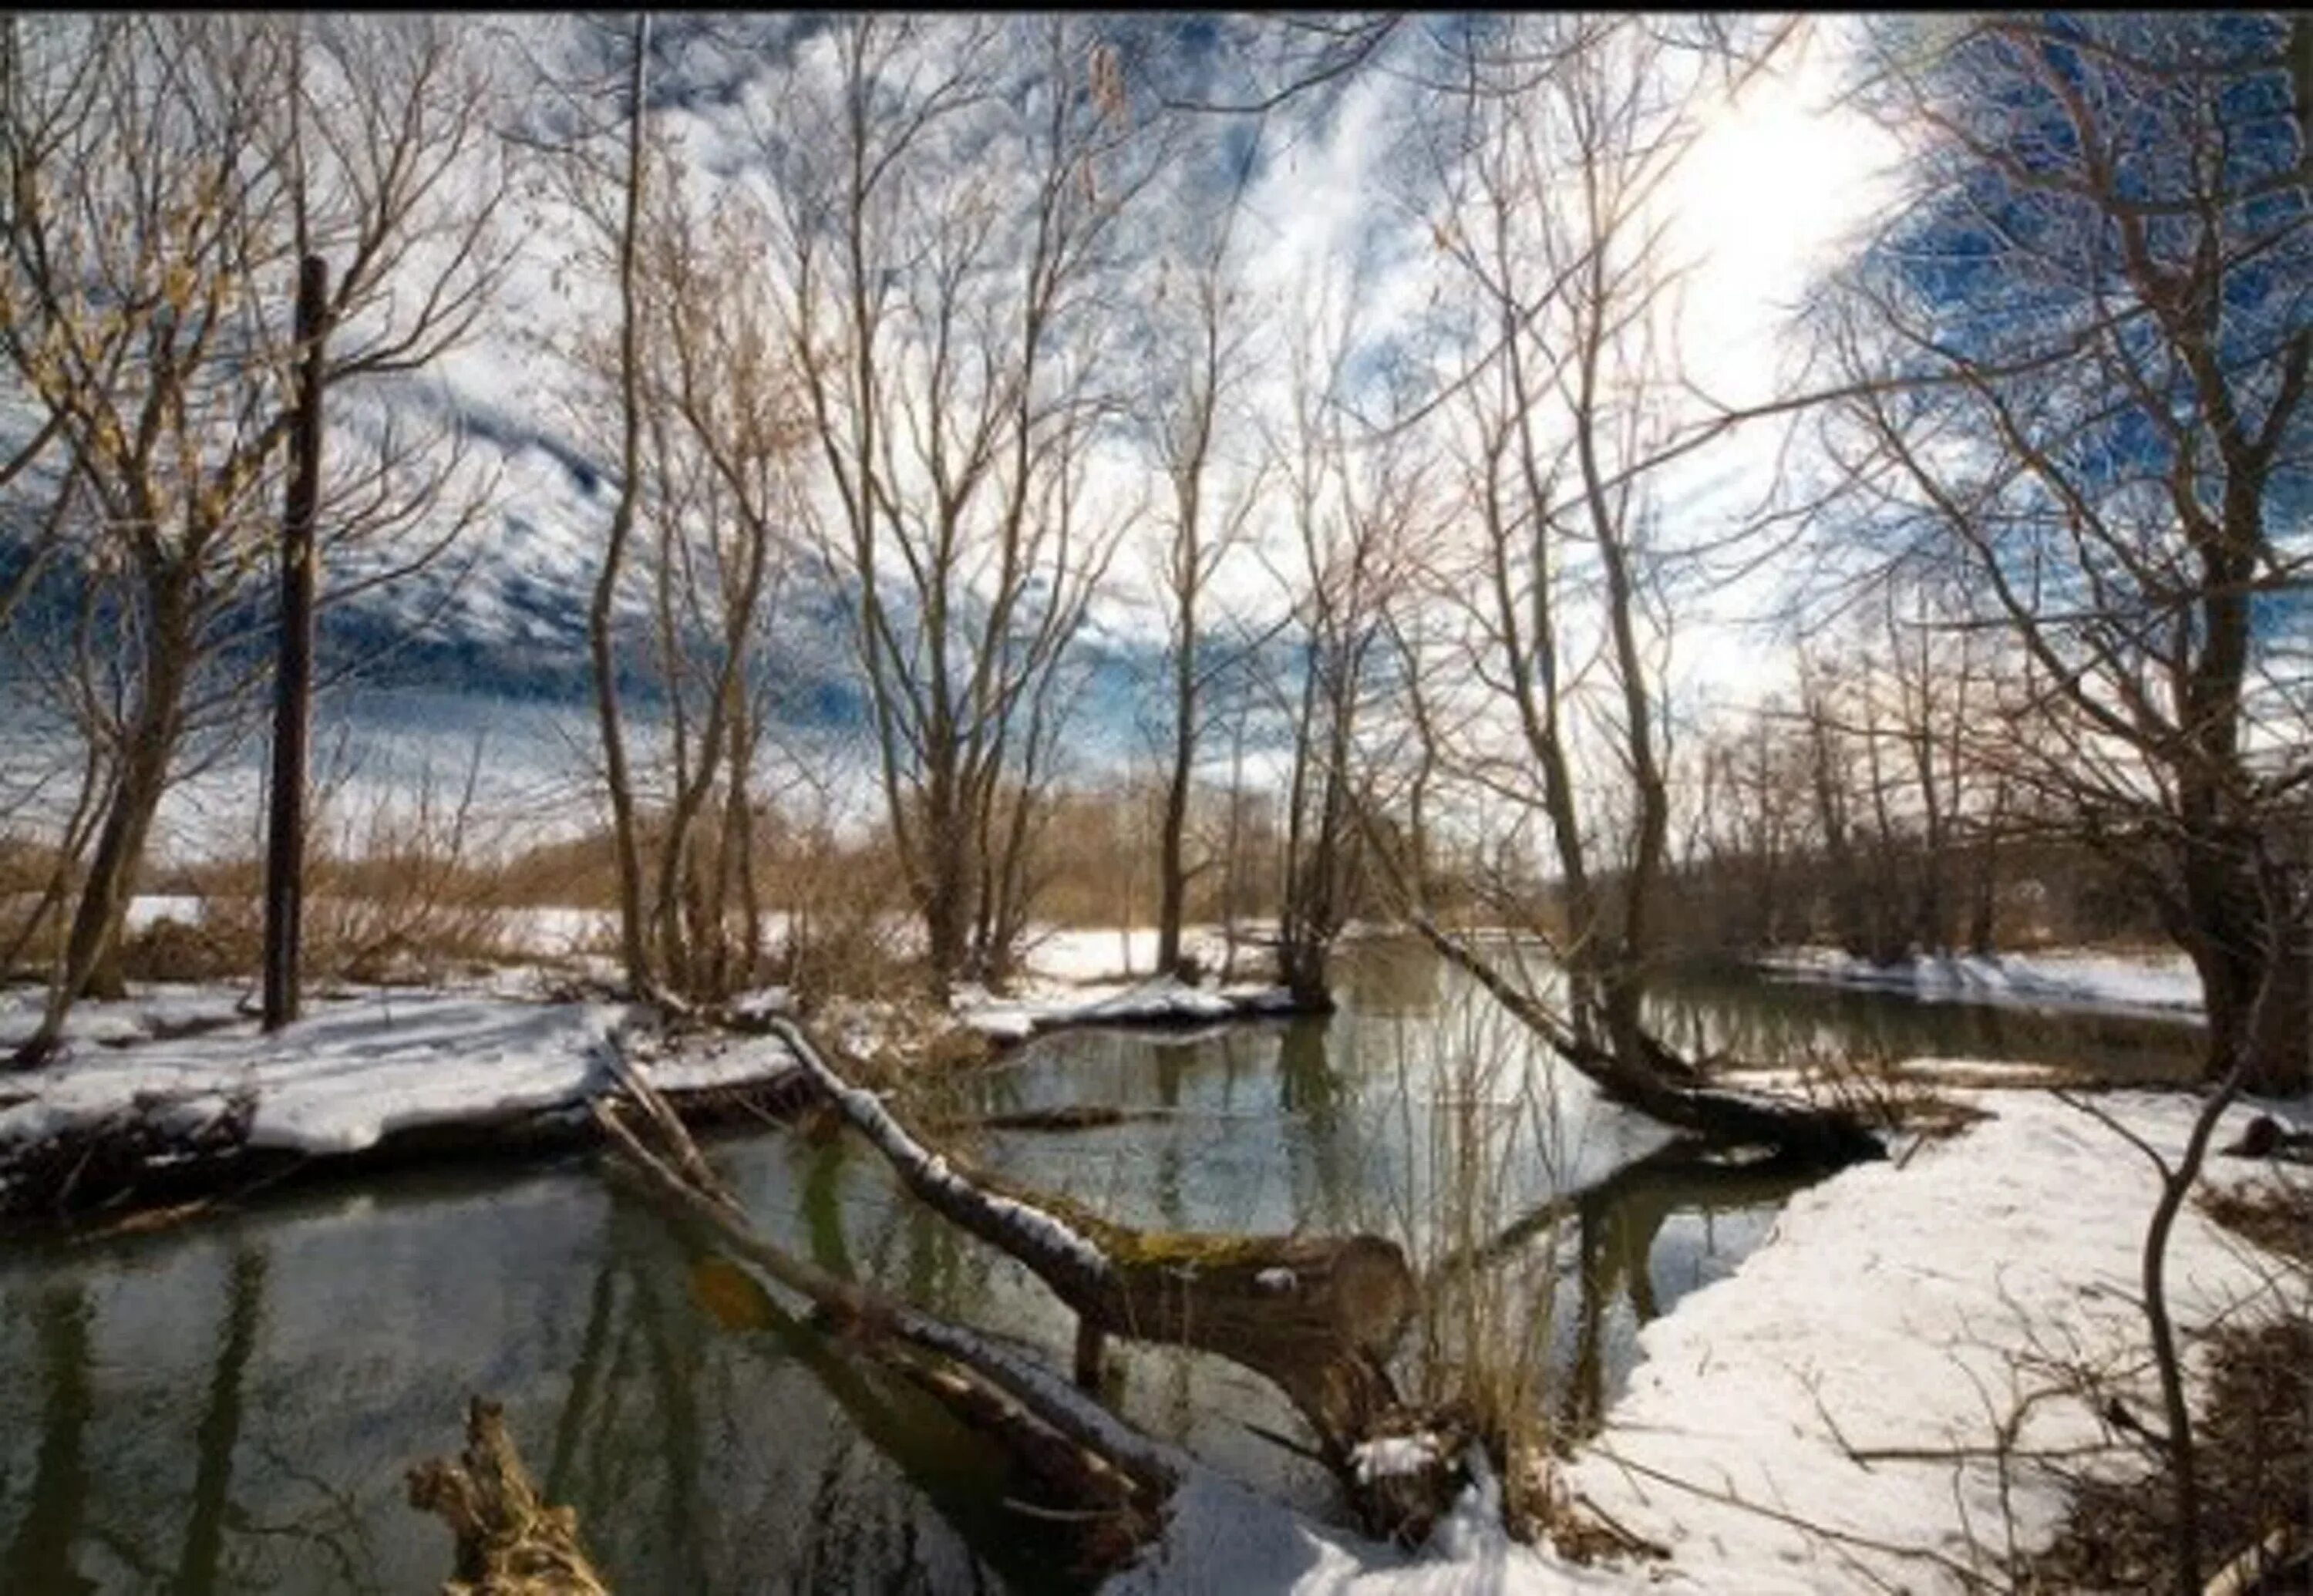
(1894, 1308)
(156, 1010)
(1897, 1306)
(1044, 1006)
(2160, 982)
(356, 1070)
(1223, 1538)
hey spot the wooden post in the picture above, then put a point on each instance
(293, 680)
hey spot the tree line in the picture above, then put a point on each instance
(979, 326)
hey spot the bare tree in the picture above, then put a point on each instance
(949, 206)
(1561, 405)
(1202, 349)
(1558, 588)
(689, 383)
(2086, 346)
(159, 188)
(1349, 513)
(729, 436)
(618, 782)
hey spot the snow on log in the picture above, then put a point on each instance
(1109, 1476)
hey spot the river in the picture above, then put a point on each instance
(230, 1406)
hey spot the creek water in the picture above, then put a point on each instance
(230, 1406)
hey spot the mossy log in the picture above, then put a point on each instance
(509, 1542)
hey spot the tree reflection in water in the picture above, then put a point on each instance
(39, 1556)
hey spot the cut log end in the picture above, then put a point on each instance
(508, 1542)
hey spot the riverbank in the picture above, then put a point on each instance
(177, 1091)
(2138, 981)
(1895, 1390)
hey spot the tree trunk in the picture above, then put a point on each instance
(2237, 938)
(1171, 869)
(2281, 1034)
(1172, 879)
(1318, 1317)
(1108, 1476)
(1652, 1080)
(93, 943)
(602, 611)
(2277, 1040)
(292, 711)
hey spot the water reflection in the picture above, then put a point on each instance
(220, 1427)
(231, 1407)
(40, 1555)
(1644, 1236)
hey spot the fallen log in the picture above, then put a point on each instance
(1317, 1316)
(509, 1542)
(1668, 1088)
(1098, 1474)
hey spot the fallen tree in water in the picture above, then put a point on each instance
(509, 1541)
(1317, 1316)
(1665, 1087)
(1093, 1472)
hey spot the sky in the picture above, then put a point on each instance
(1781, 180)
(1778, 179)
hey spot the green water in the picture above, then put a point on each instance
(230, 1406)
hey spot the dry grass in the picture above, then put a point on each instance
(2277, 1215)
(1481, 1340)
(2255, 1445)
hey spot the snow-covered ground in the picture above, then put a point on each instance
(2158, 981)
(355, 1071)
(1113, 954)
(1044, 1005)
(1073, 977)
(1896, 1308)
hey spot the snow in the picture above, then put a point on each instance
(555, 931)
(1389, 1456)
(356, 1070)
(148, 909)
(1900, 1303)
(1985, 1073)
(1105, 953)
(153, 1011)
(1162, 999)
(1898, 1306)
(763, 1002)
(2162, 981)
(1223, 1537)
